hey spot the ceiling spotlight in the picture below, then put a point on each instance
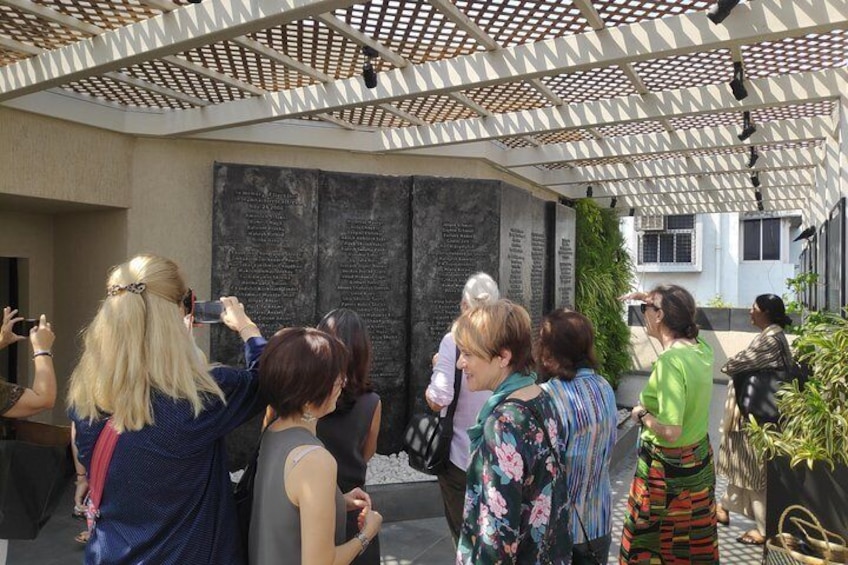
(753, 159)
(613, 202)
(755, 179)
(720, 10)
(195, 1)
(760, 206)
(748, 127)
(589, 191)
(631, 212)
(758, 196)
(368, 72)
(737, 85)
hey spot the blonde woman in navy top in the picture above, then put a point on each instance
(587, 413)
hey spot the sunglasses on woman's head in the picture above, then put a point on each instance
(644, 307)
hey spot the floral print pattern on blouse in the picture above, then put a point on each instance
(516, 507)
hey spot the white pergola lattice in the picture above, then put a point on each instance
(630, 96)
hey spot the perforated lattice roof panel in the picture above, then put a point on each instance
(449, 72)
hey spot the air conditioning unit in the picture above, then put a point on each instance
(650, 222)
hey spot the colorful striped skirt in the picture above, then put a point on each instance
(671, 508)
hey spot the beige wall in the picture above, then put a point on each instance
(725, 344)
(86, 245)
(47, 158)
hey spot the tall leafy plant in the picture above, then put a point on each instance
(603, 273)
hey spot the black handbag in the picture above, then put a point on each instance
(756, 391)
(243, 493)
(36, 467)
(428, 436)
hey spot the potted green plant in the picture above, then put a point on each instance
(807, 453)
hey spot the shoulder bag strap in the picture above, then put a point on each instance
(555, 453)
(457, 383)
(104, 447)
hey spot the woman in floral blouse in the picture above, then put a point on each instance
(516, 508)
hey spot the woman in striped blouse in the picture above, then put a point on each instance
(743, 467)
(587, 413)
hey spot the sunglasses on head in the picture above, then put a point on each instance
(188, 301)
(644, 307)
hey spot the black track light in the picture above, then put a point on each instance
(368, 72)
(748, 127)
(589, 191)
(720, 10)
(631, 212)
(760, 206)
(737, 85)
(755, 179)
(758, 196)
(195, 1)
(752, 160)
(613, 202)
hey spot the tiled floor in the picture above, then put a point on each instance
(414, 542)
(427, 542)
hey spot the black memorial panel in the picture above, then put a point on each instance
(363, 265)
(455, 233)
(522, 251)
(563, 227)
(264, 250)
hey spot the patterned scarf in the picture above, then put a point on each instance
(512, 383)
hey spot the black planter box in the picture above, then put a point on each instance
(820, 490)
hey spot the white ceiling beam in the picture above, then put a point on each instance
(744, 195)
(357, 36)
(707, 183)
(161, 5)
(765, 20)
(212, 74)
(744, 205)
(19, 46)
(172, 32)
(787, 89)
(803, 129)
(673, 167)
(163, 90)
(466, 24)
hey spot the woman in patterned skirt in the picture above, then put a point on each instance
(516, 500)
(743, 467)
(671, 508)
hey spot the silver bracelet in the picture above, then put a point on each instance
(363, 539)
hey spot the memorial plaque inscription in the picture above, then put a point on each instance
(564, 233)
(454, 235)
(363, 262)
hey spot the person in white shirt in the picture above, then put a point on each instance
(480, 289)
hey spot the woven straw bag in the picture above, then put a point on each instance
(817, 547)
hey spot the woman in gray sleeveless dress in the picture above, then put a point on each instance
(350, 432)
(298, 510)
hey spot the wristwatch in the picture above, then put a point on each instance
(363, 539)
(641, 415)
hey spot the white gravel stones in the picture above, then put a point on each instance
(387, 469)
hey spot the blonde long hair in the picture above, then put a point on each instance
(137, 344)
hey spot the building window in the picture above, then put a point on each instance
(667, 239)
(761, 239)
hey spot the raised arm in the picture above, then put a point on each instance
(42, 395)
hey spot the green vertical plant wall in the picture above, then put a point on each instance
(603, 273)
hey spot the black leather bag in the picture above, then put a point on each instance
(756, 391)
(428, 436)
(243, 494)
(35, 469)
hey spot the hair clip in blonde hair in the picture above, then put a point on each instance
(135, 288)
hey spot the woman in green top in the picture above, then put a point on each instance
(671, 508)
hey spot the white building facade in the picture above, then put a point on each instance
(723, 259)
